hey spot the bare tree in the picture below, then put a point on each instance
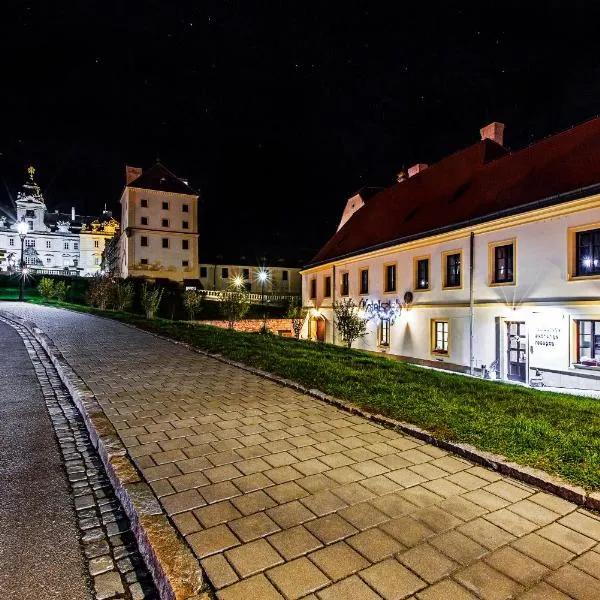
(297, 313)
(348, 321)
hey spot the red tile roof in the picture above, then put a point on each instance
(470, 186)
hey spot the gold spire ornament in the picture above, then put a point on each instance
(31, 171)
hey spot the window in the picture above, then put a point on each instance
(313, 289)
(144, 240)
(48, 244)
(501, 257)
(383, 333)
(185, 225)
(30, 214)
(345, 288)
(224, 273)
(30, 244)
(165, 242)
(165, 222)
(451, 265)
(143, 261)
(144, 203)
(185, 208)
(185, 244)
(66, 245)
(588, 343)
(48, 259)
(31, 260)
(30, 225)
(284, 275)
(587, 249)
(165, 206)
(96, 243)
(185, 263)
(421, 269)
(144, 220)
(246, 273)
(11, 241)
(96, 260)
(439, 336)
(364, 281)
(327, 293)
(203, 272)
(75, 245)
(390, 278)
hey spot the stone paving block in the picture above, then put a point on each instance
(487, 583)
(353, 493)
(338, 561)
(509, 490)
(252, 558)
(252, 502)
(362, 516)
(190, 465)
(420, 496)
(467, 480)
(182, 501)
(567, 538)
(331, 528)
(304, 453)
(393, 505)
(286, 492)
(534, 512)
(436, 519)
(486, 499)
(407, 531)
(186, 523)
(189, 481)
(215, 514)
(517, 566)
(392, 580)
(553, 503)
(459, 547)
(351, 588)
(445, 590)
(255, 588)
(337, 460)
(253, 527)
(443, 487)
(290, 514)
(543, 550)
(584, 522)
(543, 591)
(575, 583)
(323, 503)
(460, 507)
(405, 477)
(374, 544)
(428, 563)
(294, 542)
(282, 474)
(213, 540)
(428, 471)
(108, 585)
(297, 578)
(393, 462)
(219, 491)
(589, 562)
(511, 522)
(251, 483)
(380, 485)
(219, 571)
(485, 533)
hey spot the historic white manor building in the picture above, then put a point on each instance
(56, 243)
(486, 261)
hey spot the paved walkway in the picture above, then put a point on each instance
(40, 555)
(281, 496)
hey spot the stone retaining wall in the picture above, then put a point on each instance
(277, 326)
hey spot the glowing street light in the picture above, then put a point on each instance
(238, 281)
(262, 276)
(22, 229)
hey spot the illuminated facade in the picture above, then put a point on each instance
(487, 262)
(56, 243)
(160, 224)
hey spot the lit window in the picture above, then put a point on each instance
(165, 242)
(66, 245)
(345, 290)
(165, 206)
(452, 269)
(165, 222)
(185, 208)
(390, 278)
(383, 332)
(144, 220)
(144, 203)
(422, 274)
(143, 261)
(203, 272)
(96, 243)
(185, 244)
(313, 289)
(30, 243)
(503, 263)
(30, 225)
(11, 241)
(327, 292)
(96, 260)
(185, 263)
(144, 241)
(246, 273)
(224, 273)
(48, 244)
(588, 343)
(48, 259)
(75, 245)
(439, 337)
(587, 245)
(185, 225)
(364, 281)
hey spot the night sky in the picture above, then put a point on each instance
(277, 111)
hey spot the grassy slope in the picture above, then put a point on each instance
(554, 432)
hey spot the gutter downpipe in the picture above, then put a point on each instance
(471, 300)
(332, 303)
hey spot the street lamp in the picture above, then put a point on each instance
(262, 277)
(22, 229)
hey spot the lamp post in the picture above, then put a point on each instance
(262, 277)
(22, 229)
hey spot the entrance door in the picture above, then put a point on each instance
(320, 330)
(516, 369)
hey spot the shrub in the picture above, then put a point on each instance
(348, 321)
(151, 300)
(124, 294)
(101, 293)
(234, 306)
(46, 288)
(297, 313)
(60, 291)
(193, 300)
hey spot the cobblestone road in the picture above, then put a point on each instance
(281, 496)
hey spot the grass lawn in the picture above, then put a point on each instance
(554, 432)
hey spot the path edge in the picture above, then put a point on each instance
(175, 570)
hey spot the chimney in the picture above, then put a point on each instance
(72, 213)
(412, 171)
(131, 173)
(494, 131)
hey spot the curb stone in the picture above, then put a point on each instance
(175, 571)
